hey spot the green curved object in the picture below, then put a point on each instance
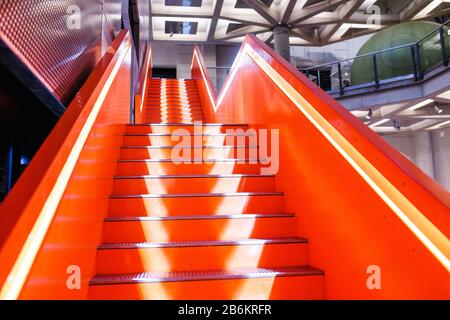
(399, 62)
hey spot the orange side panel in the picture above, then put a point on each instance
(349, 226)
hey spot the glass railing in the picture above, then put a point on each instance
(410, 61)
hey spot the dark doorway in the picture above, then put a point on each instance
(321, 77)
(164, 73)
(25, 122)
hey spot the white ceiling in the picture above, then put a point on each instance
(312, 22)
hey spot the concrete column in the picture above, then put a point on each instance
(281, 39)
(423, 150)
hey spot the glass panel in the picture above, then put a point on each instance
(395, 63)
(361, 71)
(431, 52)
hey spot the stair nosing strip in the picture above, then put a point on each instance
(185, 135)
(192, 147)
(192, 161)
(272, 273)
(197, 195)
(186, 124)
(199, 176)
(201, 243)
(201, 217)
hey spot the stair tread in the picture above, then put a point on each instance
(200, 243)
(201, 217)
(244, 273)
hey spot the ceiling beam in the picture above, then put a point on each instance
(288, 12)
(248, 22)
(270, 39)
(345, 13)
(412, 9)
(313, 10)
(261, 10)
(303, 35)
(425, 124)
(242, 32)
(214, 20)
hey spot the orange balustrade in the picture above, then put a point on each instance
(359, 201)
(52, 219)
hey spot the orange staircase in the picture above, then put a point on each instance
(172, 101)
(210, 230)
(102, 211)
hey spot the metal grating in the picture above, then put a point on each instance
(40, 33)
(152, 277)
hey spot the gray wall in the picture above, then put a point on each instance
(330, 53)
(430, 151)
(225, 56)
(166, 54)
(179, 56)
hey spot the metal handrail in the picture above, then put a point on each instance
(416, 48)
(435, 30)
(409, 45)
(357, 57)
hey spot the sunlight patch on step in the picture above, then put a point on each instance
(157, 291)
(260, 290)
(230, 185)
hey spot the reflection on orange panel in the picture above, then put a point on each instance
(349, 225)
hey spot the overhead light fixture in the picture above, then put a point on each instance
(397, 125)
(438, 108)
(369, 114)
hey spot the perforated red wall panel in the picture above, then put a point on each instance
(42, 34)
